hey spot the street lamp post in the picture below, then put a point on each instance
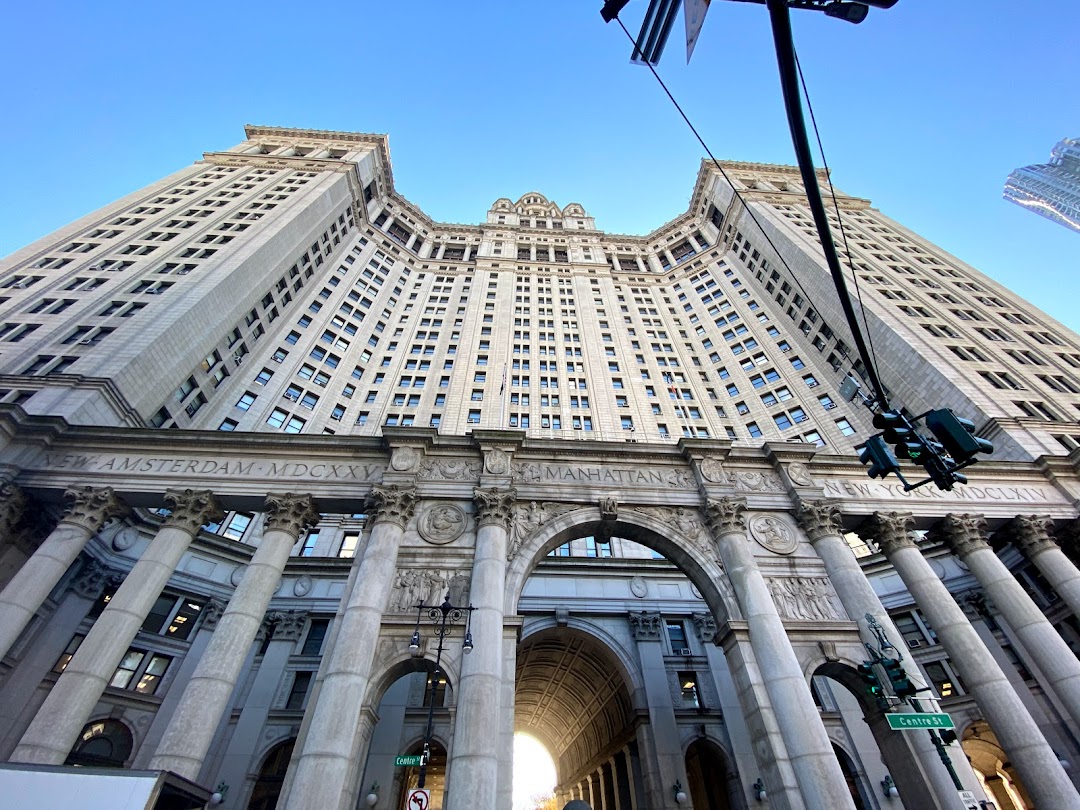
(442, 617)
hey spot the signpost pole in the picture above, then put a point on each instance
(935, 738)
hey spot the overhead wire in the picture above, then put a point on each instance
(836, 208)
(738, 195)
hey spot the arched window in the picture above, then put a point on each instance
(102, 744)
(271, 777)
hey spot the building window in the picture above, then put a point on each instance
(316, 635)
(349, 542)
(676, 633)
(300, 685)
(308, 549)
(941, 676)
(69, 651)
(172, 616)
(140, 671)
(691, 695)
(845, 427)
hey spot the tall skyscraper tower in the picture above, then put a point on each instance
(259, 418)
(1051, 190)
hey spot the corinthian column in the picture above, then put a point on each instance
(474, 764)
(912, 759)
(206, 697)
(818, 772)
(21, 598)
(322, 767)
(57, 724)
(964, 536)
(1001, 706)
(1031, 534)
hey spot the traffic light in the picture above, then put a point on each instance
(901, 685)
(956, 435)
(868, 676)
(899, 432)
(881, 460)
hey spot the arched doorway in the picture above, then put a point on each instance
(407, 693)
(851, 776)
(434, 781)
(992, 768)
(102, 744)
(708, 776)
(267, 788)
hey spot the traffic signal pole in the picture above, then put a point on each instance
(789, 83)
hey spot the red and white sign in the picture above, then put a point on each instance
(419, 799)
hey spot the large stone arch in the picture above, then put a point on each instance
(387, 672)
(679, 534)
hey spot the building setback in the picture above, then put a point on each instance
(255, 413)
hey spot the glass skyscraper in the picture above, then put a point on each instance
(1051, 190)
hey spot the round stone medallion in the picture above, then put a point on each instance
(125, 538)
(441, 524)
(639, 587)
(772, 533)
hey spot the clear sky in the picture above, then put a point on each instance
(924, 108)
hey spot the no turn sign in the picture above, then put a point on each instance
(419, 799)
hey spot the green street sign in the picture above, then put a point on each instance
(409, 761)
(918, 720)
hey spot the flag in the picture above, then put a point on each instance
(502, 385)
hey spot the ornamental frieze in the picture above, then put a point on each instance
(449, 469)
(414, 586)
(528, 518)
(804, 598)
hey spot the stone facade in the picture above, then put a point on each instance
(682, 600)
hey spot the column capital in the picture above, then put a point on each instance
(891, 530)
(705, 626)
(819, 519)
(1031, 534)
(725, 515)
(212, 612)
(92, 579)
(645, 625)
(494, 506)
(963, 534)
(290, 513)
(392, 503)
(190, 509)
(92, 506)
(288, 624)
(13, 504)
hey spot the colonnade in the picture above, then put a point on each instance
(613, 784)
(796, 754)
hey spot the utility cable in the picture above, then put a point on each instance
(852, 324)
(836, 208)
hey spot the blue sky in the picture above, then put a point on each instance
(924, 108)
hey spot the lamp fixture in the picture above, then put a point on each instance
(219, 794)
(758, 789)
(414, 642)
(677, 790)
(373, 795)
(888, 787)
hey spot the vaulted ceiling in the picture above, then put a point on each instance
(571, 696)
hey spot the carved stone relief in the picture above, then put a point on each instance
(639, 587)
(528, 518)
(804, 598)
(799, 474)
(705, 627)
(442, 523)
(449, 469)
(413, 586)
(713, 471)
(497, 462)
(772, 533)
(125, 538)
(747, 481)
(404, 459)
(303, 585)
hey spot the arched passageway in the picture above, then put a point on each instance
(992, 768)
(264, 796)
(709, 777)
(102, 744)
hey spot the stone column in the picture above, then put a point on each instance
(286, 629)
(646, 629)
(506, 742)
(1001, 706)
(329, 753)
(964, 536)
(818, 772)
(1031, 534)
(206, 696)
(22, 685)
(473, 779)
(61, 718)
(622, 781)
(912, 759)
(21, 598)
(611, 796)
